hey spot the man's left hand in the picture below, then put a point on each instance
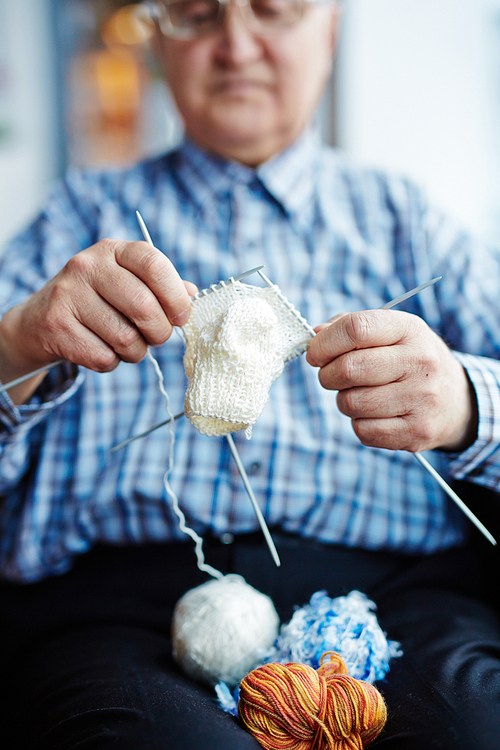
(397, 381)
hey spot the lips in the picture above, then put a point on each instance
(238, 85)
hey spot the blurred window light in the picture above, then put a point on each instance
(127, 26)
(116, 109)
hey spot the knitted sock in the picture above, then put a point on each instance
(238, 340)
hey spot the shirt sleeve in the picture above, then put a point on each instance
(464, 310)
(481, 461)
(58, 385)
(63, 228)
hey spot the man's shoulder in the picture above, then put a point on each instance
(338, 162)
(340, 172)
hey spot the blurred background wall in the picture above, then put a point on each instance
(416, 89)
(28, 105)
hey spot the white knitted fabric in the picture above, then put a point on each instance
(238, 338)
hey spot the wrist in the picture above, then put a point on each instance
(466, 432)
(14, 360)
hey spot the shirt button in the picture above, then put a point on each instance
(254, 468)
(227, 538)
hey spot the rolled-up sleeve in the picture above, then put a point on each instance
(481, 461)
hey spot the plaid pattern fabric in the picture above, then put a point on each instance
(334, 237)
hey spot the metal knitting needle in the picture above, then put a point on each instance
(427, 466)
(269, 283)
(144, 228)
(243, 474)
(387, 305)
(423, 461)
(409, 294)
(143, 434)
(463, 507)
(29, 375)
(232, 446)
(240, 276)
(256, 508)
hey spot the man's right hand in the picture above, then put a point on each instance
(107, 305)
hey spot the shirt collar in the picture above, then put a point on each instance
(289, 177)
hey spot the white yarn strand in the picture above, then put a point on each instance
(200, 557)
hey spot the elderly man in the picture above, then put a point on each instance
(91, 555)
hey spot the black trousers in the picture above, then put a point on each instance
(86, 657)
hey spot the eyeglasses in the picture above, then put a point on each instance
(189, 19)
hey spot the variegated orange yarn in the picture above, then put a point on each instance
(295, 707)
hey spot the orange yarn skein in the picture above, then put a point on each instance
(295, 707)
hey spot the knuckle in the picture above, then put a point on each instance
(142, 306)
(366, 433)
(125, 337)
(105, 360)
(159, 335)
(106, 246)
(359, 326)
(349, 369)
(152, 262)
(347, 402)
(427, 362)
(80, 264)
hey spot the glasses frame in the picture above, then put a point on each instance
(158, 12)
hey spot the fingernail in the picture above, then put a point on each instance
(181, 318)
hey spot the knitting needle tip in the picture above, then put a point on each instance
(144, 228)
(409, 294)
(257, 510)
(453, 495)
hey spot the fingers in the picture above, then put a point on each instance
(159, 275)
(397, 433)
(84, 347)
(319, 328)
(387, 401)
(114, 332)
(366, 367)
(397, 381)
(128, 293)
(361, 330)
(130, 300)
(108, 303)
(191, 288)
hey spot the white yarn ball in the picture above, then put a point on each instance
(221, 630)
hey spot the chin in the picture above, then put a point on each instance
(241, 125)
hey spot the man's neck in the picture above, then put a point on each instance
(249, 154)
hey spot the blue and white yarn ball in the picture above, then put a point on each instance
(346, 624)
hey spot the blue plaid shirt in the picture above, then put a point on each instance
(334, 238)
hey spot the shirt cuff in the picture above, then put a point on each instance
(58, 386)
(479, 458)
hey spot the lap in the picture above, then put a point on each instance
(116, 686)
(92, 651)
(444, 692)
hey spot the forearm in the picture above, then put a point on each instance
(15, 361)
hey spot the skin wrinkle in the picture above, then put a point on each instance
(244, 96)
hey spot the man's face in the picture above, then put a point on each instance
(247, 95)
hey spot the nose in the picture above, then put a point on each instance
(238, 44)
